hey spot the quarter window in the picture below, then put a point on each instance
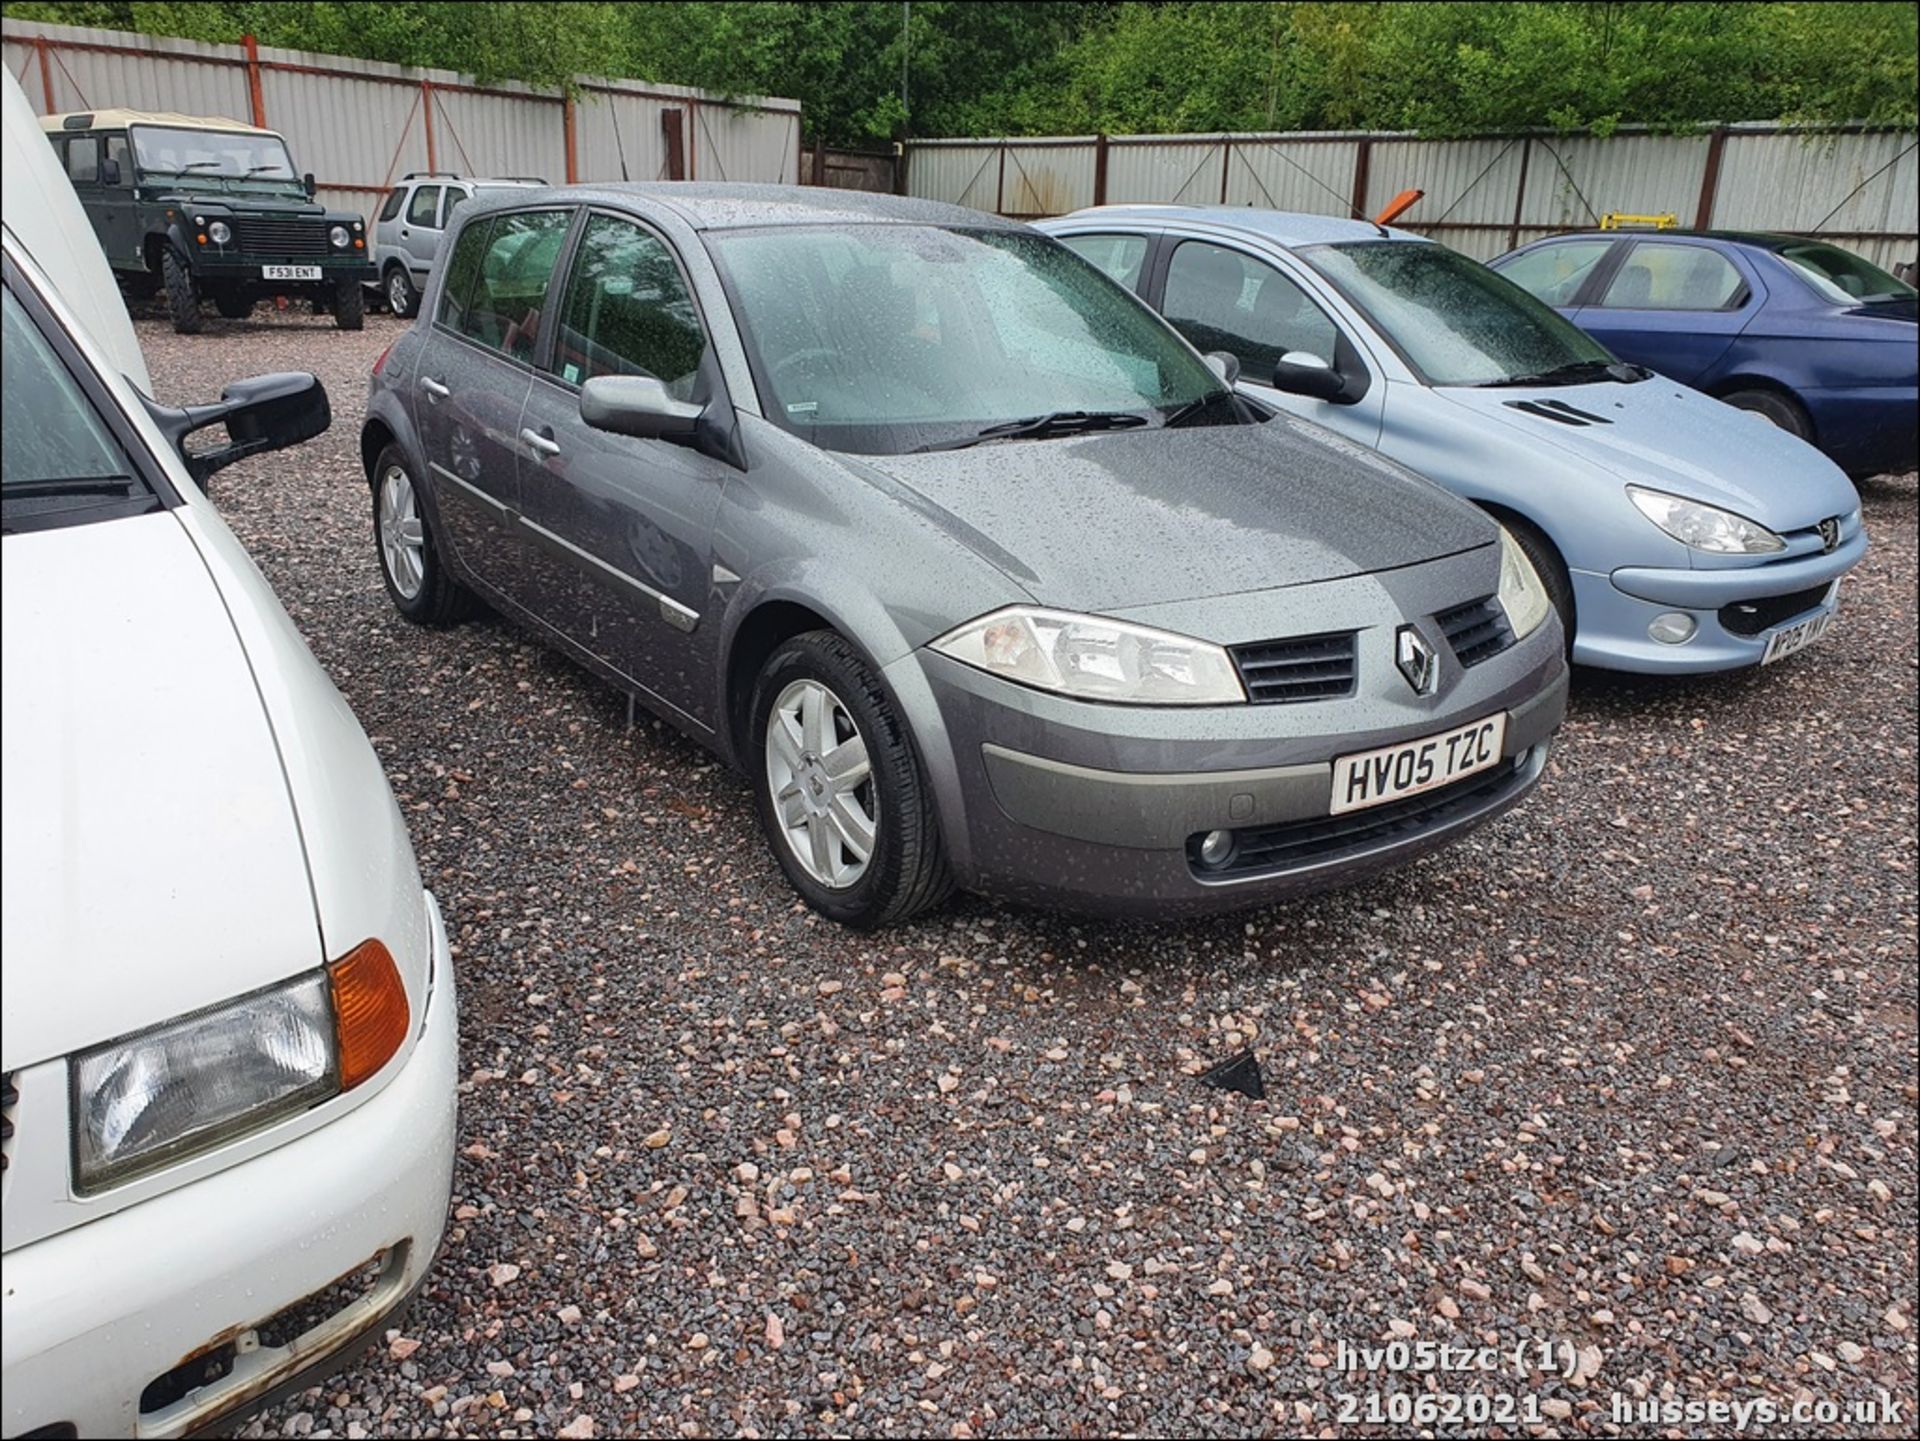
(1120, 256)
(1223, 300)
(1660, 275)
(628, 311)
(395, 199)
(497, 286)
(1555, 273)
(425, 208)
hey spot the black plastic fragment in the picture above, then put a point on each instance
(1238, 1073)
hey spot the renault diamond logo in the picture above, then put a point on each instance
(1416, 660)
(1830, 533)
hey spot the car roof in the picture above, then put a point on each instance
(1288, 227)
(1760, 239)
(720, 205)
(43, 216)
(84, 120)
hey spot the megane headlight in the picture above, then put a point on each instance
(1091, 657)
(1522, 596)
(1704, 527)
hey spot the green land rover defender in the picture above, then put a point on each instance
(210, 209)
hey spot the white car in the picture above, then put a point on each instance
(229, 1039)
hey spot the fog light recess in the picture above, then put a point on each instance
(1216, 849)
(1675, 627)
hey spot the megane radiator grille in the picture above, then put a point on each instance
(1309, 667)
(1477, 631)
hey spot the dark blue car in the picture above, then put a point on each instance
(1814, 338)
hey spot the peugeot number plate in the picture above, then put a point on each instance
(289, 272)
(1792, 639)
(1373, 778)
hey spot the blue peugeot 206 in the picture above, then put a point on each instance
(1674, 533)
(1813, 337)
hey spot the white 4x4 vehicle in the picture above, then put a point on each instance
(229, 1032)
(416, 213)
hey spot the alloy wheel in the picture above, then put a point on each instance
(822, 784)
(399, 293)
(403, 539)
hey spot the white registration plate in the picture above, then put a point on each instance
(1391, 773)
(1792, 639)
(289, 272)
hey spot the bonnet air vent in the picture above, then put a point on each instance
(1558, 410)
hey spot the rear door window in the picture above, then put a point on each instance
(629, 311)
(1669, 275)
(1555, 273)
(497, 286)
(1221, 299)
(1120, 256)
(395, 199)
(83, 159)
(424, 210)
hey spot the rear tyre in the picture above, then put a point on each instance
(1550, 568)
(402, 299)
(417, 579)
(847, 812)
(1783, 410)
(139, 284)
(349, 305)
(234, 305)
(183, 296)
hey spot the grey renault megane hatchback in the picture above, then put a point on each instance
(977, 570)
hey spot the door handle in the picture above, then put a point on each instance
(545, 444)
(434, 389)
(405, 234)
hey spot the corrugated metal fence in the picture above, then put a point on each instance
(359, 124)
(1483, 196)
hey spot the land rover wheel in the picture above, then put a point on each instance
(349, 305)
(183, 295)
(234, 304)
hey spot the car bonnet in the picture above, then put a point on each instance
(1660, 434)
(1132, 518)
(153, 863)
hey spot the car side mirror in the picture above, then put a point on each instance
(1300, 372)
(638, 405)
(267, 412)
(109, 171)
(309, 184)
(1224, 364)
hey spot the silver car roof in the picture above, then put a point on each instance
(1282, 226)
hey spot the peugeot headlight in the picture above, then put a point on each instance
(1704, 527)
(148, 1100)
(1522, 596)
(219, 232)
(1093, 658)
(340, 236)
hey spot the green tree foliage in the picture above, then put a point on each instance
(977, 67)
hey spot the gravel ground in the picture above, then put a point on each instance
(1632, 1069)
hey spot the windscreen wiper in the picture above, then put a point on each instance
(115, 485)
(1575, 371)
(1045, 427)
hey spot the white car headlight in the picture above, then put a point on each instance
(340, 237)
(149, 1100)
(1093, 658)
(1522, 596)
(219, 232)
(1704, 527)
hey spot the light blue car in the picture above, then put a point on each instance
(1674, 533)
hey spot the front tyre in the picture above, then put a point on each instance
(410, 563)
(1551, 569)
(183, 295)
(847, 812)
(349, 305)
(402, 299)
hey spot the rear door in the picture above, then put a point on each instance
(1674, 306)
(470, 385)
(420, 231)
(619, 528)
(1561, 272)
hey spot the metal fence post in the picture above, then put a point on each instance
(426, 109)
(256, 95)
(1362, 166)
(1710, 178)
(46, 71)
(1100, 169)
(571, 132)
(1520, 195)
